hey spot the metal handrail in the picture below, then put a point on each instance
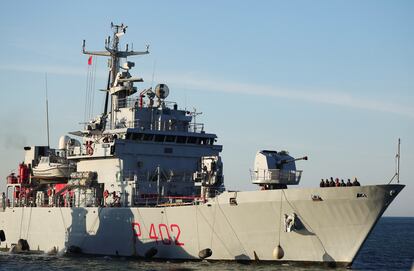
(160, 126)
(134, 102)
(154, 125)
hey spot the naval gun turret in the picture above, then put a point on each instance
(273, 170)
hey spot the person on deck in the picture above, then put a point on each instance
(337, 183)
(332, 183)
(326, 183)
(348, 183)
(322, 183)
(342, 182)
(356, 183)
(3, 200)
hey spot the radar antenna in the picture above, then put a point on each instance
(114, 79)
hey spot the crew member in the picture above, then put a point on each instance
(332, 183)
(337, 183)
(356, 183)
(342, 182)
(348, 183)
(3, 200)
(322, 183)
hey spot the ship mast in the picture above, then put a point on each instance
(120, 83)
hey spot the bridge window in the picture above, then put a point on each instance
(181, 139)
(159, 138)
(137, 136)
(133, 136)
(148, 137)
(170, 138)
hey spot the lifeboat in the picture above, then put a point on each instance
(53, 169)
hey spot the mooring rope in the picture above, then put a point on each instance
(280, 215)
(21, 224)
(231, 227)
(28, 224)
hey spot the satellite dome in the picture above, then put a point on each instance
(63, 142)
(162, 91)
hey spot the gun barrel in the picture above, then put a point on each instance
(293, 160)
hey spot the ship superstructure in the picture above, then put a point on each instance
(141, 150)
(144, 179)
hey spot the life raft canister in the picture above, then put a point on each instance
(23, 173)
(106, 194)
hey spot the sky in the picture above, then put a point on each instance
(333, 80)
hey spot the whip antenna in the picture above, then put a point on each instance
(47, 113)
(397, 163)
(153, 73)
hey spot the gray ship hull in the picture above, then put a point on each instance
(332, 224)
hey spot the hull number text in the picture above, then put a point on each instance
(167, 235)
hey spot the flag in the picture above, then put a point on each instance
(90, 60)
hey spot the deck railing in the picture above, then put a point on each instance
(159, 126)
(135, 102)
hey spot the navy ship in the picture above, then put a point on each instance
(144, 179)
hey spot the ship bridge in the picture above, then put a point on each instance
(131, 112)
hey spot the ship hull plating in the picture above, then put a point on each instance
(331, 226)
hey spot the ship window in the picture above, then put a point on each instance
(203, 141)
(181, 139)
(148, 137)
(159, 138)
(136, 136)
(168, 150)
(192, 140)
(170, 138)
